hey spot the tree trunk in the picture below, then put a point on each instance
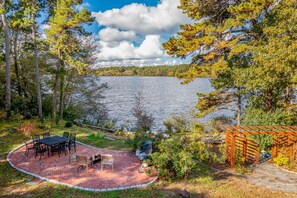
(61, 96)
(62, 90)
(288, 97)
(269, 99)
(23, 69)
(7, 63)
(16, 65)
(57, 76)
(36, 68)
(238, 109)
(55, 90)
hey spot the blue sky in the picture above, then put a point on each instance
(132, 32)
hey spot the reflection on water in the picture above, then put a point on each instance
(163, 96)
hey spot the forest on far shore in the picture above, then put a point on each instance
(162, 70)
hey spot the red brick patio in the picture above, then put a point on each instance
(125, 173)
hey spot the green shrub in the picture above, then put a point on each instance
(144, 120)
(281, 160)
(139, 137)
(110, 124)
(178, 156)
(44, 126)
(240, 163)
(177, 124)
(68, 124)
(198, 127)
(259, 117)
(27, 128)
(265, 141)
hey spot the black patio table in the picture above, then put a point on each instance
(53, 140)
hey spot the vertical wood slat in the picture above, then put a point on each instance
(227, 147)
(233, 148)
(244, 149)
(274, 148)
(290, 147)
(257, 160)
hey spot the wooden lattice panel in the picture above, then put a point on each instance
(284, 141)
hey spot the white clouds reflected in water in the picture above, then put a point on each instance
(133, 34)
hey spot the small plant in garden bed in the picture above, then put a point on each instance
(292, 166)
(68, 124)
(240, 164)
(27, 128)
(281, 160)
(43, 126)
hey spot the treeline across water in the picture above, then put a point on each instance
(162, 70)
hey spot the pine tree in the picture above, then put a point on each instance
(66, 26)
(3, 12)
(219, 43)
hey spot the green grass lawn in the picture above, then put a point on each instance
(203, 183)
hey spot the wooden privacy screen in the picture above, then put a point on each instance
(239, 147)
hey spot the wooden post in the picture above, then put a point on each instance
(227, 146)
(233, 150)
(290, 147)
(258, 155)
(274, 148)
(294, 149)
(244, 149)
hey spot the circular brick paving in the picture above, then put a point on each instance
(58, 170)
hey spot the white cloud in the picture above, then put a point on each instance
(114, 35)
(140, 62)
(133, 34)
(82, 6)
(164, 18)
(150, 48)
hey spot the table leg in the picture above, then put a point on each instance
(48, 153)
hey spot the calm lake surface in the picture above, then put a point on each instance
(162, 97)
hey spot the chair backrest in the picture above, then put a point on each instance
(45, 135)
(81, 160)
(106, 158)
(38, 147)
(66, 134)
(35, 137)
(27, 144)
(72, 136)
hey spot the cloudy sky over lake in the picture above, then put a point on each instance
(132, 32)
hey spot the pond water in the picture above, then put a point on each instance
(162, 97)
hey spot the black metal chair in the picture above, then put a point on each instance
(72, 142)
(29, 146)
(59, 148)
(46, 135)
(40, 149)
(66, 134)
(35, 138)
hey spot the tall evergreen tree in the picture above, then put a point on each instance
(34, 10)
(218, 43)
(3, 4)
(66, 26)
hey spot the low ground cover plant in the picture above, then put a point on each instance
(281, 160)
